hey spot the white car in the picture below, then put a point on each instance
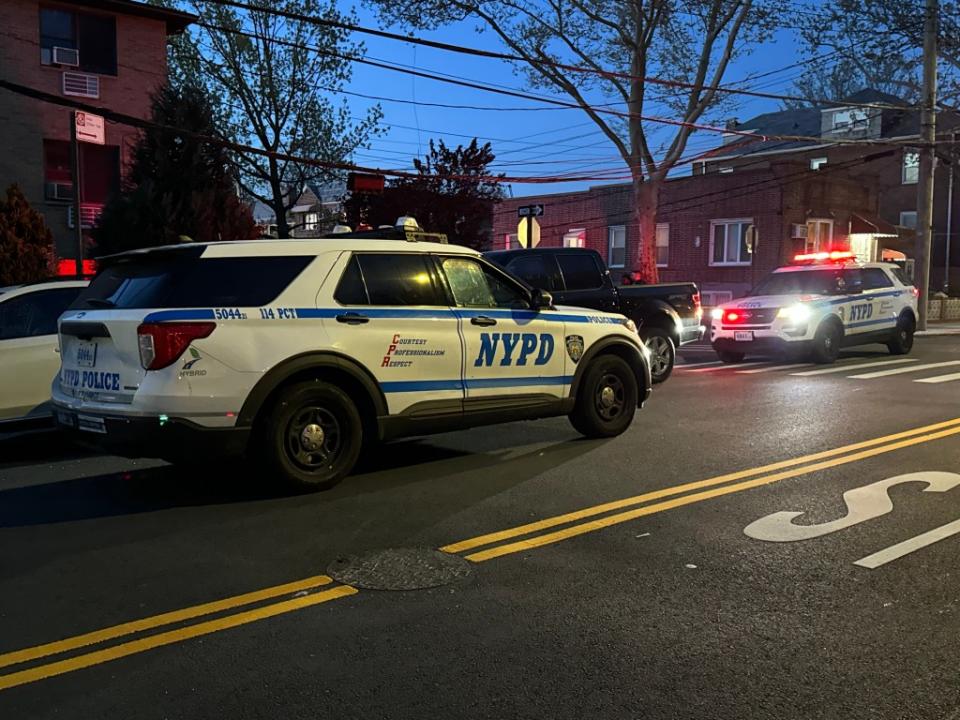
(823, 302)
(298, 351)
(28, 347)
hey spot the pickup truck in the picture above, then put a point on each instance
(667, 315)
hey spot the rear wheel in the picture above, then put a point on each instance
(902, 341)
(663, 353)
(606, 399)
(312, 436)
(728, 356)
(826, 343)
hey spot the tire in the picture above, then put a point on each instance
(663, 353)
(826, 343)
(606, 399)
(902, 341)
(728, 356)
(311, 436)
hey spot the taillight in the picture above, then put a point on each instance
(915, 291)
(162, 343)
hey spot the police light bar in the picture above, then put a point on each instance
(832, 256)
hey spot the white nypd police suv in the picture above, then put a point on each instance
(298, 351)
(823, 302)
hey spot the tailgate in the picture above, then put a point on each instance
(99, 355)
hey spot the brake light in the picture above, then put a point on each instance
(697, 310)
(161, 344)
(915, 291)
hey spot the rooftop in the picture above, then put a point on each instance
(176, 20)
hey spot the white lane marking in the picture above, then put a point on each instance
(687, 366)
(844, 368)
(773, 367)
(863, 503)
(940, 378)
(732, 366)
(900, 371)
(895, 552)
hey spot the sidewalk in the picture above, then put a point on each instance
(940, 328)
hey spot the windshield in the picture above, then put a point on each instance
(799, 282)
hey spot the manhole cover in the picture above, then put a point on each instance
(399, 569)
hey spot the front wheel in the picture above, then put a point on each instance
(663, 353)
(826, 343)
(902, 341)
(606, 399)
(311, 436)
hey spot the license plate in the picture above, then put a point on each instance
(89, 423)
(743, 336)
(86, 353)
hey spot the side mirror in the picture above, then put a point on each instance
(541, 299)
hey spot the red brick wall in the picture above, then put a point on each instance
(141, 67)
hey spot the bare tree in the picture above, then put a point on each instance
(619, 42)
(837, 79)
(271, 79)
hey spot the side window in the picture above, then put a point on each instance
(474, 285)
(35, 314)
(398, 279)
(351, 289)
(580, 271)
(900, 275)
(850, 281)
(875, 278)
(539, 271)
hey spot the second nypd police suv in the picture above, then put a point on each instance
(300, 352)
(823, 302)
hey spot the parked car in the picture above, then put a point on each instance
(29, 357)
(297, 352)
(668, 315)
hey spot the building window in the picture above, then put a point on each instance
(94, 37)
(713, 298)
(57, 180)
(817, 163)
(725, 169)
(310, 221)
(850, 119)
(663, 244)
(910, 173)
(728, 240)
(908, 219)
(511, 241)
(617, 246)
(575, 238)
(819, 235)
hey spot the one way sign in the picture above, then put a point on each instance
(530, 211)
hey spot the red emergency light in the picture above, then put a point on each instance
(831, 256)
(68, 268)
(732, 317)
(365, 183)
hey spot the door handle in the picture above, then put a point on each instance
(483, 321)
(353, 319)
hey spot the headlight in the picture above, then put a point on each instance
(795, 314)
(717, 313)
(629, 325)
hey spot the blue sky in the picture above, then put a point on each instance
(557, 140)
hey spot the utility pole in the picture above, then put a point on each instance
(76, 180)
(928, 134)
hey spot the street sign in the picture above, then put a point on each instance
(89, 128)
(530, 211)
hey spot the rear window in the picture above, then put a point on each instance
(190, 281)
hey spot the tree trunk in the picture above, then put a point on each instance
(642, 257)
(279, 204)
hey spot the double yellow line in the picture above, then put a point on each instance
(314, 591)
(720, 485)
(303, 592)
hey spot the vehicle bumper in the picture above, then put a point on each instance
(764, 345)
(151, 437)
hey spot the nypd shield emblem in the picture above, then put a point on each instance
(575, 347)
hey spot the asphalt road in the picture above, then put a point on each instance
(589, 579)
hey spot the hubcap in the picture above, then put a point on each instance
(314, 438)
(659, 354)
(610, 397)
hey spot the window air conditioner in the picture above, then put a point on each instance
(65, 56)
(81, 85)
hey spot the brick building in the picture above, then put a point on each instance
(105, 52)
(750, 205)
